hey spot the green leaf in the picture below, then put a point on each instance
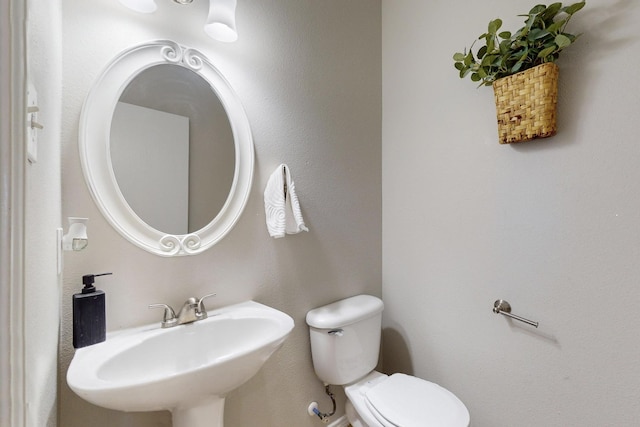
(468, 59)
(546, 52)
(459, 65)
(571, 36)
(504, 46)
(562, 41)
(556, 26)
(574, 7)
(490, 45)
(505, 35)
(529, 23)
(542, 34)
(458, 56)
(521, 56)
(495, 25)
(516, 67)
(551, 11)
(537, 9)
(487, 60)
(534, 34)
(482, 52)
(475, 77)
(498, 61)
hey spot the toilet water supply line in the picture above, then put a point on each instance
(325, 417)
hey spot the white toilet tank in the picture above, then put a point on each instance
(345, 338)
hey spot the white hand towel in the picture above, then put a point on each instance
(281, 205)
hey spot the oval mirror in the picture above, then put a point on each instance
(166, 149)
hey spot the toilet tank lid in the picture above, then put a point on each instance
(344, 312)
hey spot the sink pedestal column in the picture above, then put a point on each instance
(209, 413)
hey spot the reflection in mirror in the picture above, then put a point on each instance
(172, 149)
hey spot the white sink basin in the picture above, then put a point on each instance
(187, 369)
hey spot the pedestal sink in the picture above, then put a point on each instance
(187, 369)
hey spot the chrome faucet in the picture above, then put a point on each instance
(192, 310)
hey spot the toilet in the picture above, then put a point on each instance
(345, 343)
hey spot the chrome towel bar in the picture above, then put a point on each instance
(503, 307)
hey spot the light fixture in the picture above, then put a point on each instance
(142, 6)
(76, 238)
(221, 22)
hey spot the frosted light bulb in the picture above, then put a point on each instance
(221, 22)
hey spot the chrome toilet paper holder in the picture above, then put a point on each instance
(503, 307)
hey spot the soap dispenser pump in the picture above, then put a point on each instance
(89, 323)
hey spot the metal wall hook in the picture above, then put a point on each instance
(504, 308)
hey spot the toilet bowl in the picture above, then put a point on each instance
(401, 400)
(345, 343)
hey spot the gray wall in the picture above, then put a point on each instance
(552, 226)
(309, 76)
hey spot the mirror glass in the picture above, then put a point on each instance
(172, 146)
(166, 149)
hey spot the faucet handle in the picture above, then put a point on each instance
(202, 311)
(169, 319)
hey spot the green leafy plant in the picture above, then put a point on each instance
(541, 40)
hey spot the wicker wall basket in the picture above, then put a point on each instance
(526, 104)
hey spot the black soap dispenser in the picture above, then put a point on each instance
(89, 323)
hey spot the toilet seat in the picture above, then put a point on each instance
(405, 401)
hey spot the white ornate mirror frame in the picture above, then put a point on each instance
(94, 145)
